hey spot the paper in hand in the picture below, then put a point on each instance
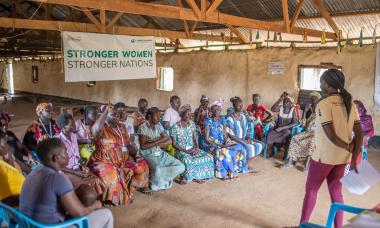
(359, 183)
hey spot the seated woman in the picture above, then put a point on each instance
(83, 133)
(47, 195)
(115, 161)
(163, 167)
(77, 173)
(258, 111)
(139, 116)
(229, 157)
(199, 165)
(302, 145)
(15, 146)
(43, 128)
(287, 119)
(238, 124)
(11, 173)
(365, 122)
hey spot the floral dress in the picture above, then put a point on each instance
(200, 165)
(228, 161)
(119, 172)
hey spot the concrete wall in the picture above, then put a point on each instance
(217, 74)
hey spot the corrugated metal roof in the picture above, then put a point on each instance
(257, 9)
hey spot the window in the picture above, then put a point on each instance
(165, 78)
(309, 76)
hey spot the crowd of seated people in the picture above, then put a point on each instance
(104, 156)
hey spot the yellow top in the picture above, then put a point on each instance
(11, 180)
(331, 110)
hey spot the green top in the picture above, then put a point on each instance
(145, 130)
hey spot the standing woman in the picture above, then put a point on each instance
(199, 165)
(337, 118)
(229, 157)
(114, 160)
(83, 132)
(239, 126)
(366, 122)
(42, 128)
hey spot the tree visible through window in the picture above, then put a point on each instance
(165, 79)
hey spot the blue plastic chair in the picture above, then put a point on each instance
(364, 153)
(5, 216)
(23, 221)
(335, 207)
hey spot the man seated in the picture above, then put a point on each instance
(48, 196)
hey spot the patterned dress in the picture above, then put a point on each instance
(228, 161)
(119, 171)
(303, 145)
(241, 128)
(163, 167)
(37, 132)
(199, 166)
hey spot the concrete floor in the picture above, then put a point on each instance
(271, 198)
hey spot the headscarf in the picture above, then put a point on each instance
(315, 94)
(41, 107)
(184, 108)
(219, 103)
(335, 79)
(235, 99)
(204, 98)
(365, 119)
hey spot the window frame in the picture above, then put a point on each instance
(158, 80)
(320, 66)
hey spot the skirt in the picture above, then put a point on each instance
(198, 167)
(301, 146)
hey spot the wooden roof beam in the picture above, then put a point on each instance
(326, 15)
(114, 20)
(194, 7)
(93, 19)
(285, 12)
(296, 14)
(241, 37)
(175, 12)
(213, 7)
(21, 9)
(92, 28)
(185, 25)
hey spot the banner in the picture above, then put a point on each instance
(99, 57)
(377, 79)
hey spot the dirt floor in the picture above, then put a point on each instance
(270, 198)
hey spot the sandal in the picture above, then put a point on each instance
(146, 191)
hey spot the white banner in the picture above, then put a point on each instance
(377, 79)
(99, 57)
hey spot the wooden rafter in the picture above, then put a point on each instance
(102, 17)
(175, 12)
(241, 37)
(326, 15)
(87, 27)
(194, 27)
(296, 14)
(213, 7)
(285, 12)
(114, 20)
(185, 25)
(21, 9)
(203, 8)
(194, 7)
(92, 18)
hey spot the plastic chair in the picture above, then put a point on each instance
(5, 215)
(335, 207)
(24, 221)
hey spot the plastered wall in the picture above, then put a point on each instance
(218, 74)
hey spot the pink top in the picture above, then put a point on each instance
(72, 150)
(83, 132)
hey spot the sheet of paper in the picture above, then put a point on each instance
(360, 183)
(367, 219)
